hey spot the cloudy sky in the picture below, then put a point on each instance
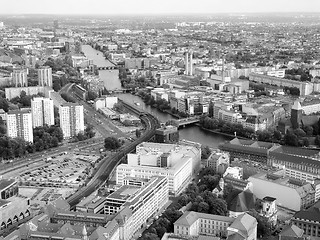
(155, 6)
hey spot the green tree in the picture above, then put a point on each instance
(299, 133)
(138, 133)
(291, 139)
(205, 152)
(91, 95)
(277, 135)
(308, 130)
(317, 140)
(264, 227)
(111, 143)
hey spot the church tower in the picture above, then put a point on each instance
(296, 115)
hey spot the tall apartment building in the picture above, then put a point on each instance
(71, 119)
(19, 124)
(42, 112)
(19, 77)
(45, 76)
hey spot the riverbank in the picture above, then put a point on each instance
(219, 132)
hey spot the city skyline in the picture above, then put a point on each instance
(157, 7)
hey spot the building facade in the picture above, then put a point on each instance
(178, 162)
(71, 119)
(19, 124)
(45, 76)
(19, 77)
(197, 224)
(42, 112)
(148, 201)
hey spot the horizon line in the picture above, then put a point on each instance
(162, 13)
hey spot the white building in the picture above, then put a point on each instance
(71, 119)
(45, 76)
(148, 201)
(42, 112)
(176, 162)
(234, 172)
(160, 93)
(19, 124)
(105, 102)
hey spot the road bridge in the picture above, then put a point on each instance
(186, 121)
(107, 68)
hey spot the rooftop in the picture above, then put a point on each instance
(303, 188)
(188, 218)
(4, 183)
(124, 193)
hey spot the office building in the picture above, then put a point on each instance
(45, 76)
(42, 112)
(144, 204)
(195, 224)
(71, 119)
(19, 124)
(177, 162)
(156, 190)
(19, 77)
(91, 204)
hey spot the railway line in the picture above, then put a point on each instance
(110, 162)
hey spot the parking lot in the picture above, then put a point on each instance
(63, 172)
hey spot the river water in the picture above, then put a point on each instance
(109, 77)
(111, 80)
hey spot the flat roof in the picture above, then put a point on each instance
(4, 183)
(124, 193)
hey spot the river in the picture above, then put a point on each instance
(191, 132)
(109, 77)
(111, 80)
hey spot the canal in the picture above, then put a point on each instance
(111, 82)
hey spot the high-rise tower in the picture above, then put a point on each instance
(296, 115)
(42, 111)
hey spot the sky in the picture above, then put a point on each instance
(155, 6)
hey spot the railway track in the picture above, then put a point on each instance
(110, 162)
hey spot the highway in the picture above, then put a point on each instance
(110, 162)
